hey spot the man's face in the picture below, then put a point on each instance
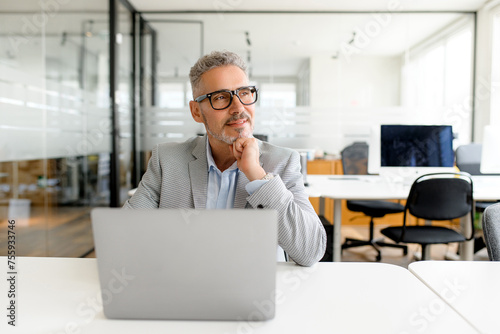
(236, 121)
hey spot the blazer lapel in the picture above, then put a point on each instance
(240, 198)
(198, 174)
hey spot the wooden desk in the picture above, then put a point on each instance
(471, 288)
(323, 166)
(62, 295)
(334, 167)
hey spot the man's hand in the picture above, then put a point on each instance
(246, 152)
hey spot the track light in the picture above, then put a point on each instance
(249, 43)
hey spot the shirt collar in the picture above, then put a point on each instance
(211, 162)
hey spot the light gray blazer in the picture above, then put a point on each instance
(177, 177)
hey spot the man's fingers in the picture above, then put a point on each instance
(238, 145)
(241, 143)
(235, 151)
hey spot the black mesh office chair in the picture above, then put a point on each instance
(437, 196)
(355, 162)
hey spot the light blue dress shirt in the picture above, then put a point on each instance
(222, 185)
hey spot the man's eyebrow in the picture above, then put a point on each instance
(226, 90)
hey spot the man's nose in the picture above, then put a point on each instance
(236, 106)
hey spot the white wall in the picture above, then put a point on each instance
(484, 85)
(358, 81)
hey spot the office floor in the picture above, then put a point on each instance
(66, 232)
(393, 255)
(389, 255)
(50, 231)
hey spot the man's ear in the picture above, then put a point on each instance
(195, 111)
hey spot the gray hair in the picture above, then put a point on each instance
(211, 61)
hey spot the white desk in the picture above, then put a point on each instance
(372, 187)
(59, 295)
(471, 288)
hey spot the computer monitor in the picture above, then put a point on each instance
(411, 150)
(490, 156)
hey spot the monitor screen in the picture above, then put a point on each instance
(416, 146)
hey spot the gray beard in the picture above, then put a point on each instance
(224, 138)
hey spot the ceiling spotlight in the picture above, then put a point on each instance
(64, 38)
(353, 37)
(89, 33)
(249, 43)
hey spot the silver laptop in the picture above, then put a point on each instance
(186, 264)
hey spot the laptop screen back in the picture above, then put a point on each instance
(186, 264)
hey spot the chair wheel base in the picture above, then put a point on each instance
(350, 243)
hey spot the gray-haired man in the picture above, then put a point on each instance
(228, 168)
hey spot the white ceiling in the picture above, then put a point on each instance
(258, 5)
(280, 43)
(297, 5)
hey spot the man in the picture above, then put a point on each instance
(228, 168)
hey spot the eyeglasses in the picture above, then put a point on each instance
(222, 99)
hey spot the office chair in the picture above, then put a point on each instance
(468, 159)
(261, 137)
(491, 230)
(355, 162)
(437, 196)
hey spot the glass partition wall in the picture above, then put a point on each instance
(56, 125)
(55, 128)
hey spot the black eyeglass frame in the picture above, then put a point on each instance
(232, 93)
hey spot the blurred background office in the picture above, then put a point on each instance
(87, 88)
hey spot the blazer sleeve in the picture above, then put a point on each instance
(147, 195)
(300, 231)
